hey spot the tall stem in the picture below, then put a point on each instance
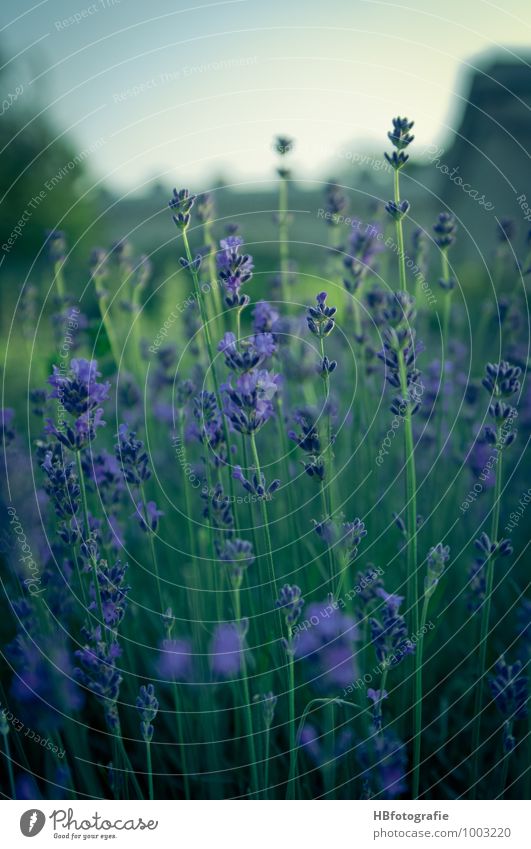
(182, 744)
(283, 235)
(400, 237)
(265, 518)
(485, 619)
(291, 720)
(93, 562)
(152, 547)
(103, 304)
(411, 498)
(208, 342)
(418, 701)
(149, 769)
(447, 311)
(255, 783)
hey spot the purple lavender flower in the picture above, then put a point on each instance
(132, 457)
(335, 203)
(437, 558)
(238, 554)
(291, 602)
(78, 389)
(62, 484)
(43, 684)
(175, 661)
(148, 518)
(389, 632)
(147, 706)
(492, 549)
(104, 472)
(384, 759)
(7, 431)
(344, 536)
(227, 647)
(309, 440)
(244, 355)
(56, 243)
(362, 252)
(79, 393)
(315, 744)
(113, 592)
(265, 317)
(256, 485)
(397, 211)
(509, 688)
(249, 405)
(400, 347)
(98, 673)
(211, 432)
(400, 137)
(181, 205)
(320, 319)
(327, 647)
(445, 229)
(377, 697)
(234, 270)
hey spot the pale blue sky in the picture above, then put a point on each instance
(327, 73)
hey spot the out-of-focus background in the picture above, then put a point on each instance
(106, 105)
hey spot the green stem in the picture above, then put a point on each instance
(255, 783)
(292, 735)
(411, 498)
(208, 342)
(447, 312)
(103, 304)
(400, 237)
(9, 765)
(93, 562)
(283, 235)
(149, 769)
(331, 765)
(182, 745)
(266, 761)
(504, 774)
(417, 739)
(265, 519)
(485, 619)
(305, 713)
(152, 547)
